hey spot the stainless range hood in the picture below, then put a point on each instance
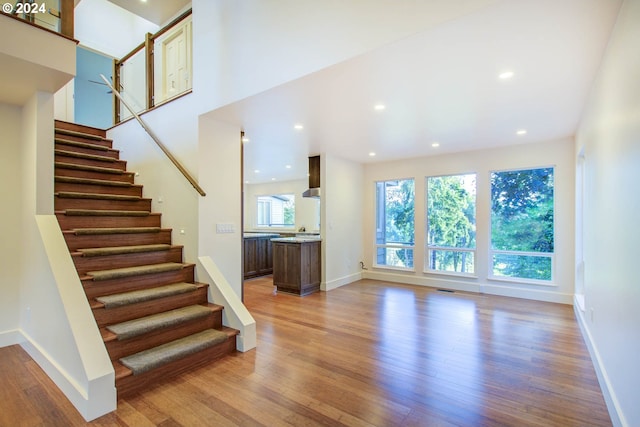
(314, 178)
(312, 192)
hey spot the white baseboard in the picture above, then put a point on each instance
(453, 283)
(8, 338)
(345, 280)
(99, 398)
(617, 417)
(533, 294)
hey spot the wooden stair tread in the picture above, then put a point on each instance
(109, 336)
(118, 273)
(122, 372)
(86, 156)
(120, 250)
(93, 181)
(80, 134)
(137, 296)
(151, 323)
(104, 212)
(62, 165)
(184, 265)
(97, 196)
(106, 230)
(87, 145)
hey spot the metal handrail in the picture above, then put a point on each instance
(155, 138)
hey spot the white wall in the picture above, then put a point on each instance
(242, 48)
(63, 103)
(341, 216)
(609, 134)
(553, 153)
(307, 212)
(11, 264)
(220, 171)
(110, 29)
(176, 125)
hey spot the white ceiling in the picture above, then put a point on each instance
(440, 85)
(157, 11)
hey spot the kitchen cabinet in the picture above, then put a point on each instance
(258, 255)
(296, 265)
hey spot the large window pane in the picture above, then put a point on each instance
(395, 223)
(453, 261)
(276, 210)
(451, 223)
(522, 223)
(522, 266)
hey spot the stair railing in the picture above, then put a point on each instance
(51, 15)
(140, 61)
(155, 138)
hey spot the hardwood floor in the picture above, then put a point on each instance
(367, 354)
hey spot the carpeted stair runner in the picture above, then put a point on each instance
(161, 355)
(118, 273)
(85, 156)
(133, 297)
(144, 325)
(119, 250)
(81, 144)
(103, 212)
(75, 180)
(88, 168)
(98, 196)
(99, 231)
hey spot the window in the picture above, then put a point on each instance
(395, 223)
(276, 210)
(451, 223)
(522, 224)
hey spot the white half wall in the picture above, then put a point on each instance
(552, 153)
(609, 136)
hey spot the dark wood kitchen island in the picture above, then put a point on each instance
(296, 265)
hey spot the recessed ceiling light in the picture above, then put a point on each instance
(435, 144)
(256, 171)
(505, 75)
(246, 182)
(521, 132)
(298, 126)
(371, 154)
(245, 139)
(273, 179)
(288, 166)
(379, 107)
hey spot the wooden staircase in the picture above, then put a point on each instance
(133, 276)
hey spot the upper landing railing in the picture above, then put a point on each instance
(52, 15)
(155, 71)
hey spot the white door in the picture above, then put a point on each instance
(177, 73)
